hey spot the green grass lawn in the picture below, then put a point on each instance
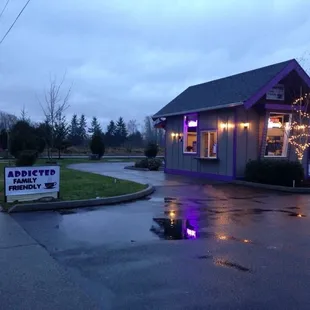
(76, 185)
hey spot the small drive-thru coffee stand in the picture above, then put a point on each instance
(213, 129)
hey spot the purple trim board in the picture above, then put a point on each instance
(280, 107)
(210, 176)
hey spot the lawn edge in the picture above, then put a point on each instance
(72, 204)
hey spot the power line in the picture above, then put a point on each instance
(20, 13)
(7, 2)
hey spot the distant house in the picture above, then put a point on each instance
(213, 129)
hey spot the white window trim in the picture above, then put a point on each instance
(208, 132)
(285, 135)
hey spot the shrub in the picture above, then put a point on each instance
(97, 145)
(22, 137)
(143, 163)
(275, 172)
(26, 158)
(154, 164)
(151, 150)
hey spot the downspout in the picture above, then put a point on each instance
(234, 172)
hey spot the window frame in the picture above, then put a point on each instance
(286, 136)
(208, 132)
(185, 135)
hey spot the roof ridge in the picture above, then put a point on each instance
(244, 72)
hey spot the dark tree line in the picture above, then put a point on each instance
(55, 133)
(115, 135)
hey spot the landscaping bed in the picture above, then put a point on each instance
(78, 185)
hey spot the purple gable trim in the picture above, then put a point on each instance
(284, 72)
(301, 72)
(234, 172)
(211, 176)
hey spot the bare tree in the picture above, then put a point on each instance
(7, 120)
(24, 115)
(56, 102)
(299, 129)
(132, 126)
(151, 133)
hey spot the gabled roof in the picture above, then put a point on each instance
(234, 90)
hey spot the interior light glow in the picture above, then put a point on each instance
(192, 124)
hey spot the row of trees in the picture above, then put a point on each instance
(56, 132)
(117, 133)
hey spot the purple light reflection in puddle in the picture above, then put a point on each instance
(191, 233)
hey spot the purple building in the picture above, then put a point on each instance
(213, 129)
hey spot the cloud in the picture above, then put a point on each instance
(129, 58)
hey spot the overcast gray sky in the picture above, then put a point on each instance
(130, 57)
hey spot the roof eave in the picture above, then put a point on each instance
(223, 106)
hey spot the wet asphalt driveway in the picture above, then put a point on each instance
(191, 245)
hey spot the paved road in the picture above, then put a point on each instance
(105, 156)
(117, 170)
(251, 249)
(30, 278)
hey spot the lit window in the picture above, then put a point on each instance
(277, 134)
(208, 146)
(190, 133)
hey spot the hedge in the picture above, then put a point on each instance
(275, 172)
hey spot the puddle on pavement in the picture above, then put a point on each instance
(189, 219)
(173, 229)
(180, 218)
(225, 263)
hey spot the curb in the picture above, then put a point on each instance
(136, 168)
(25, 207)
(142, 169)
(300, 190)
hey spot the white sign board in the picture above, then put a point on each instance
(42, 181)
(276, 93)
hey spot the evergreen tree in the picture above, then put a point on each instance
(82, 129)
(23, 137)
(120, 132)
(74, 131)
(95, 126)
(60, 133)
(44, 133)
(110, 134)
(97, 145)
(4, 139)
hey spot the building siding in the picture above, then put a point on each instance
(250, 143)
(247, 139)
(176, 160)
